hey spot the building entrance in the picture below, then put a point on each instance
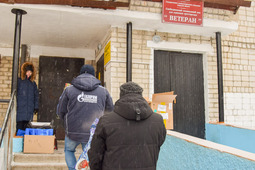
(183, 74)
(54, 73)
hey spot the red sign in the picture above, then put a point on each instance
(183, 11)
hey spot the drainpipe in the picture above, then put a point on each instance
(129, 52)
(23, 55)
(220, 77)
(16, 47)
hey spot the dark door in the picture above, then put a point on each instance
(54, 73)
(183, 74)
(100, 70)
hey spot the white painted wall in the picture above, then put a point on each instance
(240, 109)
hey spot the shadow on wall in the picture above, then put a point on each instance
(239, 138)
(179, 153)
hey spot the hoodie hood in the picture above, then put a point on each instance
(133, 107)
(86, 82)
(23, 71)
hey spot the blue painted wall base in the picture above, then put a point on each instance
(235, 137)
(178, 154)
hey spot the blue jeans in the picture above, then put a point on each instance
(70, 147)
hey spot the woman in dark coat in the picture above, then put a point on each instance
(129, 138)
(27, 96)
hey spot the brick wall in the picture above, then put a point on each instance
(239, 71)
(156, 7)
(141, 58)
(5, 84)
(238, 52)
(143, 63)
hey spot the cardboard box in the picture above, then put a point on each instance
(166, 93)
(17, 145)
(162, 103)
(38, 144)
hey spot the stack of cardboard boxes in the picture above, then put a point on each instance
(40, 141)
(162, 103)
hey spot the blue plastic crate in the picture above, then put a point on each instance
(44, 132)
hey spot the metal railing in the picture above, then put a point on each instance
(4, 100)
(6, 134)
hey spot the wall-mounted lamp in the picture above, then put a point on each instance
(156, 38)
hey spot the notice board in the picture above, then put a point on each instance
(107, 53)
(183, 12)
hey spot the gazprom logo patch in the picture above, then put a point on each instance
(87, 98)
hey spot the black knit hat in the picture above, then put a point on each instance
(29, 68)
(87, 69)
(130, 87)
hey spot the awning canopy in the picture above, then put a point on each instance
(77, 31)
(231, 5)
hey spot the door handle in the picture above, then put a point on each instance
(40, 91)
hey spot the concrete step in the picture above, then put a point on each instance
(41, 158)
(55, 161)
(38, 158)
(39, 166)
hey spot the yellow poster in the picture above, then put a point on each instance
(107, 53)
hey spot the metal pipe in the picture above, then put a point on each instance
(23, 55)
(4, 100)
(129, 53)
(220, 77)
(16, 47)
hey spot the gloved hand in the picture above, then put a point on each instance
(36, 111)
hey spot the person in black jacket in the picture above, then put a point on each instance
(27, 96)
(129, 138)
(79, 105)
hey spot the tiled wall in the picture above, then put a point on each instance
(240, 109)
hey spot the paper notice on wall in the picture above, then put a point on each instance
(161, 108)
(164, 115)
(170, 106)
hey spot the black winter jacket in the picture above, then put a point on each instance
(80, 104)
(27, 94)
(128, 138)
(27, 99)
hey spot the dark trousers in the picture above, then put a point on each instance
(21, 125)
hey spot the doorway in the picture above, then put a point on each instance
(54, 73)
(183, 74)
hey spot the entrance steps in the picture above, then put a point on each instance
(55, 161)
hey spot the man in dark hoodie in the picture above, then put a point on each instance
(129, 138)
(79, 105)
